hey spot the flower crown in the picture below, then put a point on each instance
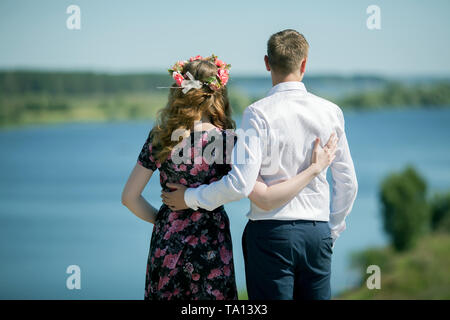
(214, 82)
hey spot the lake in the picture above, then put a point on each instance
(60, 190)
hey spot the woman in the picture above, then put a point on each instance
(191, 251)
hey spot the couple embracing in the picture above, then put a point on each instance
(281, 167)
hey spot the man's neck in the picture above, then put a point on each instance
(290, 77)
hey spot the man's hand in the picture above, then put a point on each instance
(175, 199)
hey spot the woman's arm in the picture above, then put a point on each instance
(132, 194)
(274, 196)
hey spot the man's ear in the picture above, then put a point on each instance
(266, 61)
(303, 65)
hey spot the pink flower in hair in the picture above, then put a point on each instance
(178, 78)
(223, 75)
(220, 63)
(178, 66)
(198, 57)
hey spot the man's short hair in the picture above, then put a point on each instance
(286, 50)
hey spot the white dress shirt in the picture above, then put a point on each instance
(286, 123)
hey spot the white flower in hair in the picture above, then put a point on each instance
(191, 83)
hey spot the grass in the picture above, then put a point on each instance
(18, 110)
(43, 108)
(420, 273)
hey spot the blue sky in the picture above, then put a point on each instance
(142, 36)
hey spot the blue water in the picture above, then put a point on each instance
(60, 189)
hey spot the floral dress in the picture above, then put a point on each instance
(190, 254)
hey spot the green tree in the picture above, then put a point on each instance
(440, 212)
(405, 209)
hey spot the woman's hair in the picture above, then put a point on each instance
(183, 109)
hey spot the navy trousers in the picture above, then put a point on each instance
(287, 260)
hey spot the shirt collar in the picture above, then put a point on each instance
(287, 86)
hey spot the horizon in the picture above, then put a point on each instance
(443, 77)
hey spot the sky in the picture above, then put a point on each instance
(149, 36)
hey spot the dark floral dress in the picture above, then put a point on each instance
(191, 255)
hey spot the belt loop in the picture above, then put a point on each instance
(314, 223)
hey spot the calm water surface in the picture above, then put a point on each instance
(60, 189)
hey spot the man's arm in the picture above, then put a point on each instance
(239, 182)
(345, 185)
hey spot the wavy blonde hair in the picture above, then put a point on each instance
(182, 110)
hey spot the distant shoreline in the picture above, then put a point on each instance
(37, 97)
(48, 124)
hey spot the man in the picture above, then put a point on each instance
(287, 251)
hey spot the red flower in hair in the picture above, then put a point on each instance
(223, 75)
(220, 63)
(198, 57)
(178, 78)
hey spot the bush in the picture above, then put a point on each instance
(440, 212)
(420, 273)
(405, 209)
(381, 257)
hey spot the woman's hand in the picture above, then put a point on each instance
(323, 157)
(274, 196)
